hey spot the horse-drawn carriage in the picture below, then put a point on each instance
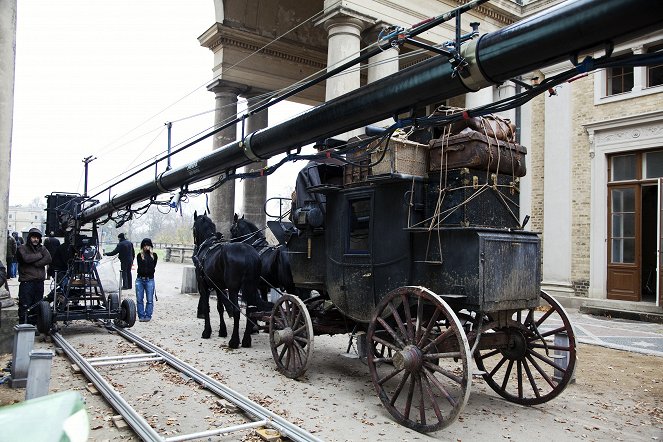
(430, 268)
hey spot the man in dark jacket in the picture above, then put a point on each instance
(32, 258)
(125, 249)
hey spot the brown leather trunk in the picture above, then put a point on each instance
(490, 125)
(474, 150)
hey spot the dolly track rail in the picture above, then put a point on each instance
(143, 429)
(275, 421)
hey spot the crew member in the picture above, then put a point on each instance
(147, 262)
(32, 258)
(126, 250)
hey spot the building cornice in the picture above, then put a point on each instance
(219, 36)
(505, 12)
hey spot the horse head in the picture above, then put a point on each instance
(243, 230)
(203, 228)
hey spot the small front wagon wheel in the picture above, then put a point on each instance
(422, 377)
(291, 336)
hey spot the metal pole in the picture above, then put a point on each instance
(87, 160)
(546, 38)
(169, 125)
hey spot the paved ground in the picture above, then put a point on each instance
(620, 334)
(618, 395)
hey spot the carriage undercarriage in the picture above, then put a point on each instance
(422, 358)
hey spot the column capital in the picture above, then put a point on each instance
(342, 15)
(221, 87)
(252, 92)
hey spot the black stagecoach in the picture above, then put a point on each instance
(418, 252)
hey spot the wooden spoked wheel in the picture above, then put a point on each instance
(420, 366)
(291, 336)
(537, 359)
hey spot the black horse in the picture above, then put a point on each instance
(275, 264)
(224, 266)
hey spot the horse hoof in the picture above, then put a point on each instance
(200, 316)
(223, 334)
(233, 344)
(206, 335)
(246, 343)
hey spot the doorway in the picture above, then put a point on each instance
(649, 242)
(635, 217)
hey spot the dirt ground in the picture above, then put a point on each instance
(617, 396)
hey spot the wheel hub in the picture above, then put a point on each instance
(410, 358)
(516, 347)
(285, 336)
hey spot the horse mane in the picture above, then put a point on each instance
(253, 230)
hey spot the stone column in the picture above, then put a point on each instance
(381, 65)
(344, 43)
(222, 200)
(479, 98)
(557, 185)
(255, 189)
(7, 61)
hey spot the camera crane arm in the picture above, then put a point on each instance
(551, 36)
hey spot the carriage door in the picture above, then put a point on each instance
(357, 259)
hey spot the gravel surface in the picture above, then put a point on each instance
(617, 396)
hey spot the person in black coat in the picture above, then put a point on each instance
(125, 249)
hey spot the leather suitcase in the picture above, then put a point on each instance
(474, 150)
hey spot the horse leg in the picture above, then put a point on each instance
(223, 331)
(234, 339)
(203, 312)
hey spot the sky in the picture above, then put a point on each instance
(101, 79)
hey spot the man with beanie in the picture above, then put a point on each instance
(32, 258)
(126, 251)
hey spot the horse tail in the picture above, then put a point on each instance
(251, 279)
(284, 270)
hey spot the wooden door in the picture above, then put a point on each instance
(624, 242)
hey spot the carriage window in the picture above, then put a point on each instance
(360, 217)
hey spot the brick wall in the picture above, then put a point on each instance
(536, 154)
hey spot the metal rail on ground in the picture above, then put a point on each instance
(262, 416)
(257, 411)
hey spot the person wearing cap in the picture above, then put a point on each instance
(125, 249)
(32, 258)
(147, 262)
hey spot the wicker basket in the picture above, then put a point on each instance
(402, 156)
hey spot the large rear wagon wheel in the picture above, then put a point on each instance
(538, 360)
(423, 376)
(291, 336)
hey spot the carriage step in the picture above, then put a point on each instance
(452, 296)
